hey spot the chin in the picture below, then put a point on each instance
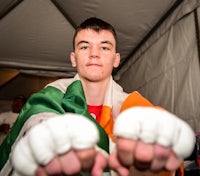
(94, 78)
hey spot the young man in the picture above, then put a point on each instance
(56, 132)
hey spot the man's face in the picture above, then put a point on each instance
(95, 54)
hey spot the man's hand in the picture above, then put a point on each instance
(64, 144)
(150, 139)
(73, 162)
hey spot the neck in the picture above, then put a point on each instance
(95, 91)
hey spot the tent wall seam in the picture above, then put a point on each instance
(64, 13)
(162, 19)
(196, 20)
(9, 8)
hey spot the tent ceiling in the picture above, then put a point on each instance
(36, 35)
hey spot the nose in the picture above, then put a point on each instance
(94, 52)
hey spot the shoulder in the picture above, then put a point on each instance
(135, 99)
(61, 84)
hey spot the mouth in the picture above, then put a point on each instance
(94, 65)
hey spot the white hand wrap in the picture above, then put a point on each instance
(50, 138)
(153, 125)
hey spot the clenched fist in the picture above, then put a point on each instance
(150, 139)
(62, 144)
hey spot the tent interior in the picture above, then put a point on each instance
(158, 42)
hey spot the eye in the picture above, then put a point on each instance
(83, 47)
(105, 48)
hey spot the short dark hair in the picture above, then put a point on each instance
(97, 25)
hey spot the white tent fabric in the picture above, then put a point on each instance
(35, 37)
(37, 33)
(171, 63)
(158, 42)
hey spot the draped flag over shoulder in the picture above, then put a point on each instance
(67, 95)
(53, 100)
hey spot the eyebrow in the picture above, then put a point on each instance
(107, 42)
(103, 42)
(82, 41)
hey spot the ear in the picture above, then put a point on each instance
(117, 60)
(73, 60)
